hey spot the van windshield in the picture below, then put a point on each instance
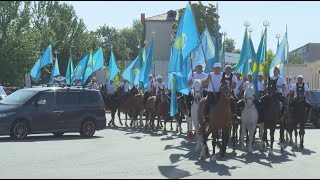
(19, 97)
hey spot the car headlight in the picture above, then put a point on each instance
(2, 115)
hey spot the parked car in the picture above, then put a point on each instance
(314, 99)
(52, 110)
(3, 93)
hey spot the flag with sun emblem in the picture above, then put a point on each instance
(80, 68)
(44, 60)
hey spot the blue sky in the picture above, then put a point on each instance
(302, 18)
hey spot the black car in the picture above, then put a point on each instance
(314, 99)
(52, 110)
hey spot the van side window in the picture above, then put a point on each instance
(87, 97)
(45, 99)
(67, 98)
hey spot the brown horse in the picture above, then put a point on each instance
(220, 118)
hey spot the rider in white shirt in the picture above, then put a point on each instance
(280, 88)
(148, 89)
(110, 88)
(125, 85)
(239, 82)
(157, 85)
(261, 84)
(213, 81)
(288, 84)
(300, 90)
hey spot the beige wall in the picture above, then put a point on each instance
(162, 38)
(309, 71)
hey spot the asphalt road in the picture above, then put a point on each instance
(126, 152)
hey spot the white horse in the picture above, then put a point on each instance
(197, 91)
(249, 116)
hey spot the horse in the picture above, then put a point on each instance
(197, 91)
(271, 113)
(249, 117)
(220, 118)
(297, 114)
(132, 105)
(161, 109)
(112, 102)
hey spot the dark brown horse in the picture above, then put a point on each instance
(220, 118)
(112, 102)
(297, 114)
(271, 112)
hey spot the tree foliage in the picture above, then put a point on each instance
(230, 45)
(270, 56)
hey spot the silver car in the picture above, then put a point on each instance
(2, 93)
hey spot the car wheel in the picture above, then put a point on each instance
(88, 128)
(58, 133)
(19, 130)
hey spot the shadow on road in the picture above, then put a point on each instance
(48, 138)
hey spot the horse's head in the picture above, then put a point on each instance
(225, 89)
(119, 91)
(197, 90)
(134, 91)
(272, 87)
(249, 93)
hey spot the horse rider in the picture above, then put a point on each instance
(249, 80)
(228, 77)
(125, 85)
(110, 88)
(261, 84)
(148, 89)
(239, 82)
(288, 84)
(300, 90)
(198, 74)
(280, 88)
(93, 84)
(213, 81)
(159, 84)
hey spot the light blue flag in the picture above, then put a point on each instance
(113, 68)
(281, 56)
(247, 53)
(146, 68)
(96, 62)
(69, 71)
(55, 71)
(79, 71)
(173, 101)
(89, 68)
(185, 42)
(131, 74)
(260, 59)
(209, 50)
(44, 60)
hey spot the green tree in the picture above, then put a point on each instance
(266, 67)
(229, 45)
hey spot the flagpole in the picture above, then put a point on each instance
(266, 24)
(205, 58)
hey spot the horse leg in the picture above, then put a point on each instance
(233, 137)
(301, 134)
(282, 129)
(265, 137)
(261, 133)
(119, 117)
(171, 119)
(204, 151)
(243, 130)
(141, 115)
(272, 140)
(225, 139)
(215, 136)
(198, 139)
(252, 131)
(296, 136)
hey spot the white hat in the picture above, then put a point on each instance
(150, 75)
(199, 63)
(300, 76)
(159, 77)
(217, 65)
(289, 77)
(228, 66)
(260, 74)
(249, 73)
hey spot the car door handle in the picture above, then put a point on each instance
(59, 112)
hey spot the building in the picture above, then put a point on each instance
(310, 72)
(309, 52)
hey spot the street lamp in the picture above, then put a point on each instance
(278, 37)
(246, 23)
(250, 30)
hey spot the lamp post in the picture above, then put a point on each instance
(250, 31)
(278, 37)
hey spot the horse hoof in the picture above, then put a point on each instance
(301, 146)
(213, 159)
(250, 151)
(203, 153)
(290, 143)
(271, 152)
(282, 151)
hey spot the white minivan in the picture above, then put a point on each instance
(2, 93)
